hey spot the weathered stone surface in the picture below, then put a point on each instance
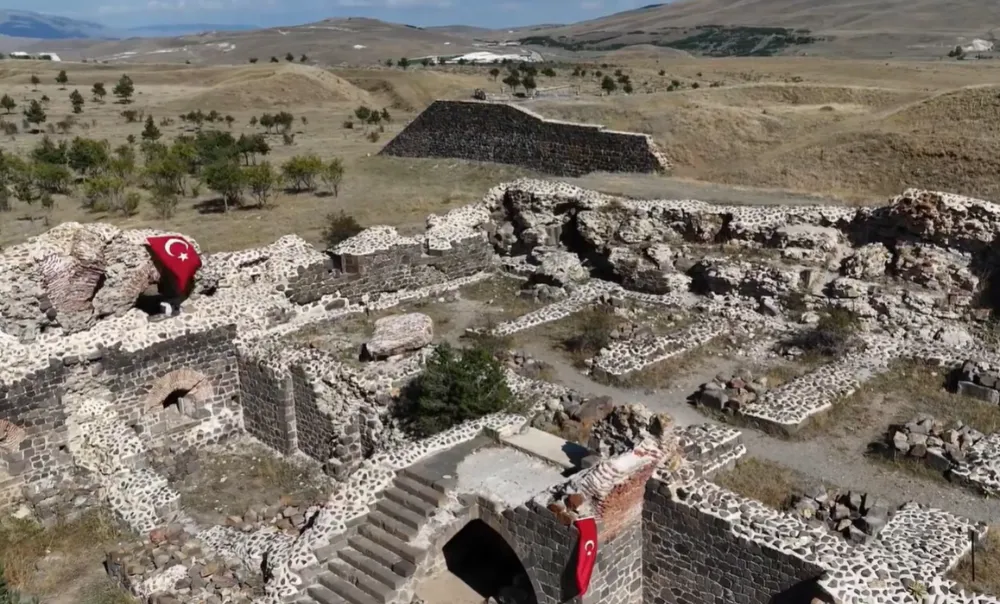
(398, 334)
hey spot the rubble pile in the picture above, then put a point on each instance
(940, 445)
(730, 393)
(856, 516)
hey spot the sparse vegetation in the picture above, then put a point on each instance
(457, 385)
(340, 226)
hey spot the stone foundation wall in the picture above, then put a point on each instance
(690, 556)
(157, 371)
(404, 265)
(268, 405)
(507, 134)
(35, 403)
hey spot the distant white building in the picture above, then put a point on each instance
(492, 57)
(48, 56)
(978, 45)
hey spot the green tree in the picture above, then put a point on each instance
(513, 80)
(150, 132)
(50, 152)
(494, 73)
(289, 57)
(124, 89)
(340, 226)
(275, 60)
(103, 192)
(529, 84)
(62, 79)
(332, 175)
(302, 170)
(7, 103)
(88, 156)
(35, 114)
(403, 63)
(225, 178)
(98, 91)
(52, 178)
(35, 81)
(608, 85)
(457, 385)
(252, 146)
(76, 99)
(164, 202)
(303, 58)
(261, 181)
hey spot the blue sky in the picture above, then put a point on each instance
(487, 13)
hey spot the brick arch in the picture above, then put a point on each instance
(193, 383)
(11, 436)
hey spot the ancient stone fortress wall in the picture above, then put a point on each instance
(510, 134)
(91, 384)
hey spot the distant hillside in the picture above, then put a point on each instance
(184, 29)
(26, 24)
(764, 27)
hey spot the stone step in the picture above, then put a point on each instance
(378, 591)
(373, 568)
(392, 543)
(392, 526)
(400, 513)
(416, 475)
(418, 490)
(410, 502)
(322, 595)
(383, 556)
(346, 590)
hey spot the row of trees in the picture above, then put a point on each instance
(288, 57)
(110, 179)
(124, 89)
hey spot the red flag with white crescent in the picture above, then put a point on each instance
(586, 552)
(177, 255)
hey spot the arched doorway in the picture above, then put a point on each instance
(481, 558)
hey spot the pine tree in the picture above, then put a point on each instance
(7, 103)
(150, 132)
(124, 89)
(34, 113)
(77, 100)
(62, 79)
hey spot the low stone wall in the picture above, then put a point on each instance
(689, 555)
(980, 381)
(509, 134)
(392, 263)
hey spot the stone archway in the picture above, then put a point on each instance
(177, 390)
(485, 560)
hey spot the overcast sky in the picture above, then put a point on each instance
(485, 13)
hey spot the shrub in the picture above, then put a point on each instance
(150, 132)
(8, 595)
(34, 114)
(87, 156)
(261, 180)
(834, 335)
(302, 171)
(130, 115)
(99, 91)
(333, 175)
(457, 385)
(227, 179)
(7, 103)
(340, 226)
(597, 324)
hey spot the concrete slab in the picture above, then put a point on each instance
(505, 475)
(549, 447)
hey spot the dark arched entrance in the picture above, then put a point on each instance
(484, 561)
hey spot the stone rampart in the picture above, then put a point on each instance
(688, 554)
(509, 134)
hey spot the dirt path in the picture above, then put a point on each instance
(836, 461)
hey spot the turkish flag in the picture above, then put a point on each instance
(176, 255)
(586, 553)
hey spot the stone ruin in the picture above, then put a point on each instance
(91, 388)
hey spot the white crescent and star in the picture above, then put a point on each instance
(170, 243)
(589, 546)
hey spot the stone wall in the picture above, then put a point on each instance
(36, 404)
(689, 556)
(402, 264)
(508, 134)
(141, 382)
(266, 397)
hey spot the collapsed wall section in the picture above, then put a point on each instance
(507, 134)
(690, 556)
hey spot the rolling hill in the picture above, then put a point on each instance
(26, 24)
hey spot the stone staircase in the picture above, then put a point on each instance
(372, 566)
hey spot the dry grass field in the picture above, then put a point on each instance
(752, 130)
